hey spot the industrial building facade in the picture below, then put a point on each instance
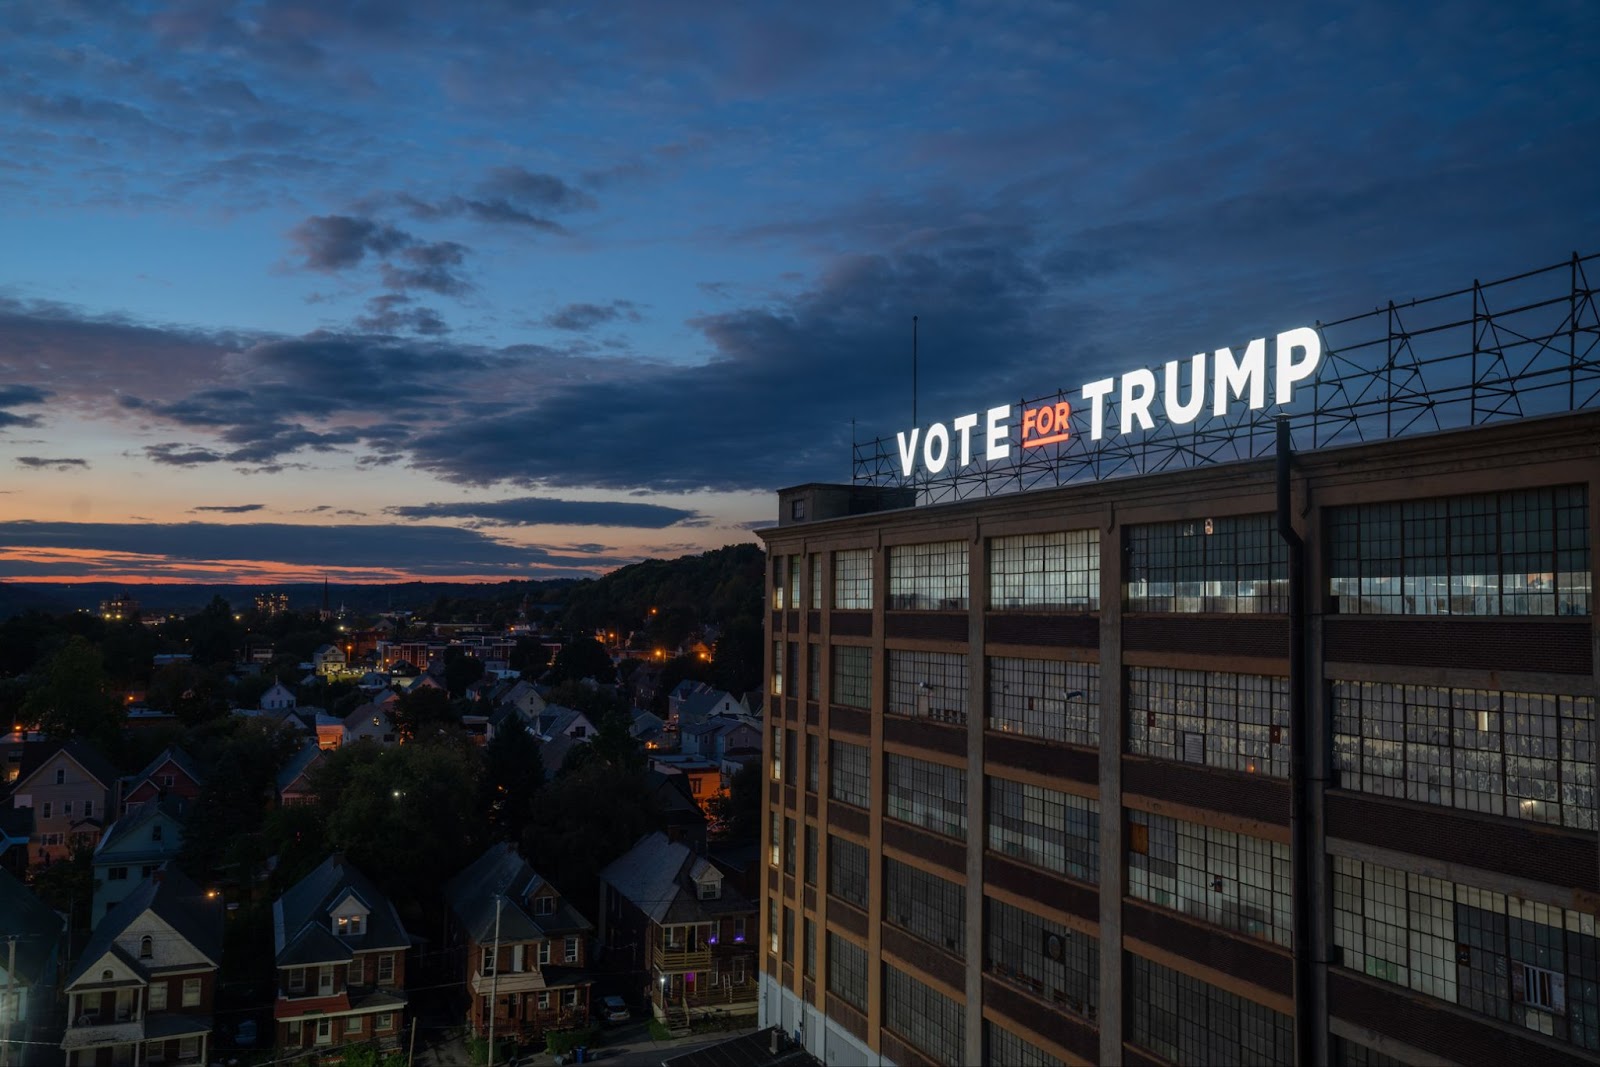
(1028, 793)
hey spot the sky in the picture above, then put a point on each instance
(401, 289)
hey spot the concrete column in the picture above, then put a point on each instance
(1111, 745)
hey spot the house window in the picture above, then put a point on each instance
(158, 996)
(572, 950)
(47, 810)
(66, 808)
(324, 1031)
(166, 781)
(61, 776)
(88, 809)
(544, 905)
(488, 961)
(146, 947)
(544, 952)
(385, 1021)
(738, 929)
(355, 1024)
(544, 1001)
(188, 1048)
(385, 969)
(294, 1031)
(348, 926)
(325, 981)
(569, 998)
(191, 992)
(117, 874)
(297, 980)
(710, 889)
(155, 833)
(738, 971)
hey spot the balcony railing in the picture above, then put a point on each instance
(89, 1031)
(679, 959)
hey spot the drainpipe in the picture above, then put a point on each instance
(1302, 837)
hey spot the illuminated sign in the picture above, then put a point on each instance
(1218, 378)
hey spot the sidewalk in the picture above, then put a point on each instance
(639, 1049)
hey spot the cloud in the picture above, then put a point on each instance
(17, 396)
(547, 511)
(540, 190)
(229, 509)
(428, 266)
(61, 463)
(581, 317)
(336, 242)
(396, 313)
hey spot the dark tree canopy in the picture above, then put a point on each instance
(581, 658)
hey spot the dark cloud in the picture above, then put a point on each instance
(173, 454)
(396, 313)
(433, 267)
(56, 463)
(547, 511)
(336, 242)
(229, 509)
(17, 396)
(545, 191)
(580, 317)
(413, 548)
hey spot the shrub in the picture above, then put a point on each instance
(561, 1042)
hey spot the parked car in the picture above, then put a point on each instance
(613, 1010)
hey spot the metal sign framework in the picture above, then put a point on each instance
(1507, 349)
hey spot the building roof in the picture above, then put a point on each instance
(173, 899)
(123, 831)
(298, 764)
(364, 714)
(38, 753)
(645, 724)
(311, 901)
(181, 759)
(502, 875)
(657, 876)
(37, 927)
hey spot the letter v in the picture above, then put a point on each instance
(908, 451)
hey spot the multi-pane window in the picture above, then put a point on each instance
(852, 580)
(849, 871)
(811, 855)
(1532, 964)
(794, 581)
(847, 971)
(777, 668)
(1002, 1046)
(775, 744)
(774, 838)
(925, 905)
(932, 685)
(1227, 878)
(1190, 1021)
(850, 773)
(813, 764)
(788, 934)
(852, 676)
(923, 1017)
(1518, 553)
(791, 766)
(1055, 570)
(928, 577)
(815, 565)
(810, 948)
(791, 845)
(1052, 699)
(1238, 722)
(772, 925)
(813, 672)
(777, 583)
(1233, 565)
(1054, 963)
(1523, 755)
(1347, 1053)
(929, 795)
(1056, 831)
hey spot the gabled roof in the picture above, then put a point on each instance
(364, 714)
(38, 927)
(309, 902)
(298, 764)
(646, 723)
(323, 650)
(553, 753)
(502, 875)
(173, 899)
(648, 874)
(181, 759)
(167, 809)
(38, 753)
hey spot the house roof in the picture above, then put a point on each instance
(39, 928)
(298, 764)
(38, 753)
(657, 876)
(176, 901)
(181, 759)
(646, 723)
(119, 833)
(310, 902)
(708, 702)
(364, 714)
(502, 875)
(323, 650)
(553, 753)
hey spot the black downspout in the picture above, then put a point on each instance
(1301, 839)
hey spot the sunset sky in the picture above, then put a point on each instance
(392, 290)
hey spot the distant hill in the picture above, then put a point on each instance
(718, 587)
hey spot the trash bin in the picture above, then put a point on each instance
(581, 1054)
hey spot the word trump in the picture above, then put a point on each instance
(1220, 378)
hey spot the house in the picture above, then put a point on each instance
(16, 831)
(370, 722)
(526, 949)
(340, 953)
(28, 988)
(144, 988)
(70, 788)
(330, 728)
(278, 698)
(667, 910)
(525, 697)
(704, 776)
(682, 692)
(172, 773)
(558, 720)
(133, 847)
(648, 729)
(328, 661)
(719, 735)
(707, 703)
(684, 818)
(294, 781)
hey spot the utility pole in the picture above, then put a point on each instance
(494, 979)
(411, 1053)
(5, 1000)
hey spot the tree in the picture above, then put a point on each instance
(529, 657)
(73, 700)
(677, 670)
(739, 656)
(737, 815)
(424, 714)
(585, 820)
(513, 776)
(582, 658)
(68, 886)
(242, 758)
(191, 692)
(461, 669)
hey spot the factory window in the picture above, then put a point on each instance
(774, 838)
(1232, 565)
(810, 949)
(777, 583)
(777, 668)
(1055, 831)
(852, 676)
(811, 855)
(1532, 964)
(852, 580)
(849, 871)
(794, 582)
(1517, 553)
(788, 934)
(816, 603)
(1523, 755)
(1238, 722)
(850, 773)
(1187, 1020)
(924, 1018)
(847, 971)
(813, 672)
(1347, 1053)
(813, 764)
(1054, 963)
(1052, 699)
(772, 925)
(776, 748)
(929, 795)
(1059, 571)
(1002, 1046)
(931, 685)
(791, 845)
(928, 577)
(790, 768)
(1230, 879)
(925, 906)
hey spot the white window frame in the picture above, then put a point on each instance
(386, 968)
(324, 1030)
(572, 950)
(157, 997)
(544, 952)
(193, 991)
(295, 981)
